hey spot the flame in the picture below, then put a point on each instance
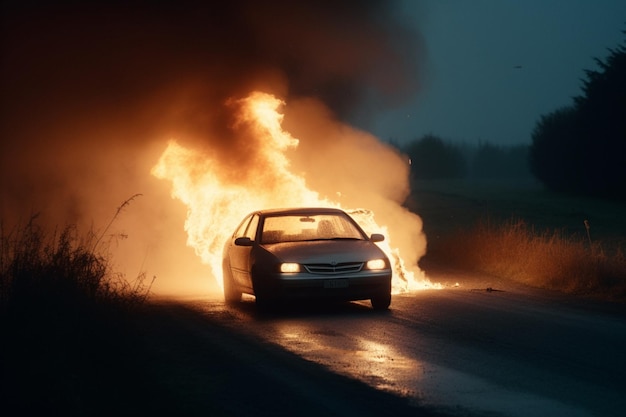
(219, 192)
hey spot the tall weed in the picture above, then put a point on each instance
(544, 259)
(67, 323)
(62, 270)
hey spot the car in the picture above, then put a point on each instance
(313, 253)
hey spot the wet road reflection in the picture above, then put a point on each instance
(373, 361)
(465, 352)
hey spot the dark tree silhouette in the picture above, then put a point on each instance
(494, 161)
(432, 158)
(554, 157)
(582, 148)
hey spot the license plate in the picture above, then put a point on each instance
(336, 283)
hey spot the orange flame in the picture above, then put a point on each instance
(216, 202)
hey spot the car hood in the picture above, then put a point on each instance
(325, 251)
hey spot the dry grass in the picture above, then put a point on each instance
(67, 324)
(62, 270)
(520, 231)
(542, 259)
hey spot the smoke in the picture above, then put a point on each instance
(92, 91)
(354, 168)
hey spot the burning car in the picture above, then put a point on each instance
(298, 253)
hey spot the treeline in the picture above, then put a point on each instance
(581, 148)
(432, 157)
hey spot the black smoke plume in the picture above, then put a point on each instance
(92, 90)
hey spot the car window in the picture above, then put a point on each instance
(241, 229)
(251, 230)
(294, 228)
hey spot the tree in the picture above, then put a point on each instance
(493, 161)
(554, 157)
(432, 158)
(582, 148)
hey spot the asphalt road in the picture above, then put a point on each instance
(480, 348)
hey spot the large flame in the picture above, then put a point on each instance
(218, 193)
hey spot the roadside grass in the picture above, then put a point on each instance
(68, 342)
(61, 272)
(543, 259)
(522, 232)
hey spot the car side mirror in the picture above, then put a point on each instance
(243, 241)
(377, 237)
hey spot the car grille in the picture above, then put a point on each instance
(329, 269)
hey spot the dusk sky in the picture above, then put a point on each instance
(493, 67)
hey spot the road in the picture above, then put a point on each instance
(476, 347)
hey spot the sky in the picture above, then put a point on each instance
(493, 67)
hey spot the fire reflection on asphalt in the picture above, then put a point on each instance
(377, 364)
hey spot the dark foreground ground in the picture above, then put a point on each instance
(149, 363)
(460, 350)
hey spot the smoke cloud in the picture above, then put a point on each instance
(92, 91)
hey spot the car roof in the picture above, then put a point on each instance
(300, 211)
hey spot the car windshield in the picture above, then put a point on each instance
(297, 228)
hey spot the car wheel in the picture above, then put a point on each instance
(381, 302)
(263, 303)
(231, 294)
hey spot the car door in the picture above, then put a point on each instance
(240, 255)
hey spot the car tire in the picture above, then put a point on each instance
(231, 294)
(265, 304)
(381, 302)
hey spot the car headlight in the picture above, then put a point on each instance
(289, 267)
(376, 264)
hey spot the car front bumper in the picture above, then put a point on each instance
(331, 287)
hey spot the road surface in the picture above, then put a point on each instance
(477, 347)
